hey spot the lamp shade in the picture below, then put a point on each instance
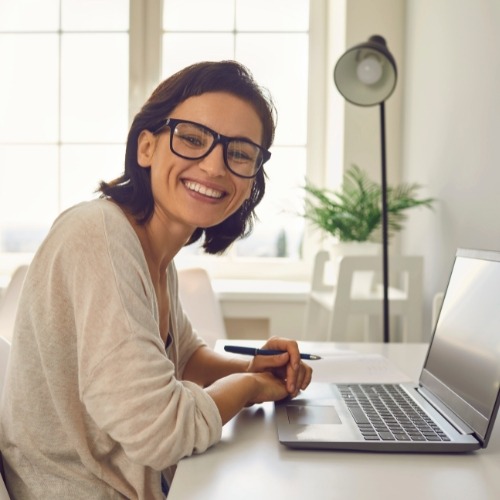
(366, 74)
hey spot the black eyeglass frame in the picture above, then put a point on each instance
(172, 123)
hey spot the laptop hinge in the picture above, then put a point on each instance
(448, 414)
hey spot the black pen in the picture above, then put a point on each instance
(252, 351)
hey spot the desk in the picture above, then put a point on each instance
(249, 463)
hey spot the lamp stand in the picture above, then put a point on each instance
(385, 227)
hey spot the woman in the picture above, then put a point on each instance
(108, 384)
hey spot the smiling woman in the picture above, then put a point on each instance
(120, 385)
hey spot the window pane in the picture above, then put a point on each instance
(83, 167)
(198, 15)
(28, 195)
(272, 15)
(29, 88)
(29, 15)
(180, 50)
(95, 15)
(94, 87)
(284, 71)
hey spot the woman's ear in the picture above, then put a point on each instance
(146, 145)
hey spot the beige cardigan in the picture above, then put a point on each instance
(94, 407)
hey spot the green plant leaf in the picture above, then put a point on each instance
(354, 213)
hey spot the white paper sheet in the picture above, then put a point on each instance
(351, 367)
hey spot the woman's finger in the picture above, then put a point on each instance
(261, 363)
(292, 348)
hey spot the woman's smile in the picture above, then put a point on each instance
(204, 190)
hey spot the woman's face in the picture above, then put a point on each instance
(200, 193)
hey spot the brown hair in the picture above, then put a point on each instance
(133, 188)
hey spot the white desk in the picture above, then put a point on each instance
(249, 463)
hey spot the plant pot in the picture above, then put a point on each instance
(340, 248)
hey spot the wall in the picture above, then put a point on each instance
(451, 126)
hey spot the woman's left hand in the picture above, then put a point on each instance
(287, 366)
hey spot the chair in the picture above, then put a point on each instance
(356, 290)
(4, 358)
(201, 304)
(9, 302)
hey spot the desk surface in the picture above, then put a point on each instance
(249, 463)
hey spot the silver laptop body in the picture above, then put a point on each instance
(459, 386)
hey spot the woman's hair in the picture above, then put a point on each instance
(133, 188)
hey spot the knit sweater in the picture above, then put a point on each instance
(94, 403)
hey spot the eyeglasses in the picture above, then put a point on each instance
(193, 141)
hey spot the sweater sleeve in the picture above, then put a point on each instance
(127, 383)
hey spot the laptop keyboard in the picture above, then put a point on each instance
(384, 412)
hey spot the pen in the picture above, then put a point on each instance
(252, 351)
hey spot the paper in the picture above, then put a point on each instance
(351, 367)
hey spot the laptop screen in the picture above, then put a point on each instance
(463, 363)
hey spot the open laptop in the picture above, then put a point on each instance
(451, 409)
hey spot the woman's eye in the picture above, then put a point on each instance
(193, 140)
(240, 156)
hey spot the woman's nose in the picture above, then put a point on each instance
(213, 164)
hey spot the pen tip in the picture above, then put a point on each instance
(314, 356)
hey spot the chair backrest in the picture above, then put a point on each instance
(10, 301)
(405, 292)
(405, 274)
(201, 304)
(358, 290)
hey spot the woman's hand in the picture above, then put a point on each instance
(267, 378)
(287, 367)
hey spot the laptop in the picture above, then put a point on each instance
(451, 409)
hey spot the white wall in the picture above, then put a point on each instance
(451, 123)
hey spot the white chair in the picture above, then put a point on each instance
(4, 358)
(357, 291)
(201, 304)
(10, 301)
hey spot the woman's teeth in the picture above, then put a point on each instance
(206, 191)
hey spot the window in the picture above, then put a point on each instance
(63, 113)
(74, 71)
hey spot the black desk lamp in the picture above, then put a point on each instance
(366, 75)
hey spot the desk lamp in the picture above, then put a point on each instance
(366, 75)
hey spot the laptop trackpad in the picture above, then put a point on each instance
(304, 415)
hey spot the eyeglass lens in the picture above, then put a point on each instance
(195, 141)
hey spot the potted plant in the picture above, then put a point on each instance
(354, 213)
